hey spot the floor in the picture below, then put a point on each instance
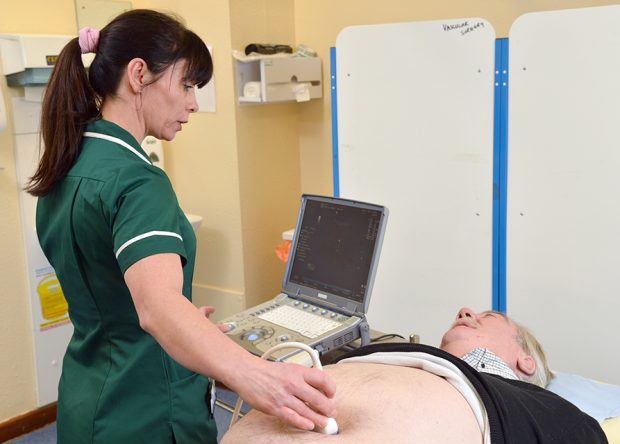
(47, 434)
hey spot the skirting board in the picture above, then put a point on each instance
(27, 422)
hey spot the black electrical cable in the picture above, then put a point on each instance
(387, 336)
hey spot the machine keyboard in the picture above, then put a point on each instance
(302, 322)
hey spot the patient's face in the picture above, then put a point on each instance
(486, 329)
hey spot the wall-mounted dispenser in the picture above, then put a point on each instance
(155, 150)
(28, 59)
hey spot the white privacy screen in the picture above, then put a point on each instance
(415, 128)
(563, 221)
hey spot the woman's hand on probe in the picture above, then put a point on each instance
(299, 396)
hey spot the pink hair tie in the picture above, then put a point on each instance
(88, 39)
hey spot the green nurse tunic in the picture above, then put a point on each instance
(118, 385)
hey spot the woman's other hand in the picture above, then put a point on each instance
(207, 311)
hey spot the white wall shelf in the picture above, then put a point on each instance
(269, 80)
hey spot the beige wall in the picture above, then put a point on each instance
(242, 168)
(203, 164)
(239, 167)
(268, 147)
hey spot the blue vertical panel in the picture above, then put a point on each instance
(500, 158)
(334, 95)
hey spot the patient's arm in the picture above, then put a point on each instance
(377, 403)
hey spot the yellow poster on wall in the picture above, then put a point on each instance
(54, 309)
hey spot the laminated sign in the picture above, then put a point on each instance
(53, 303)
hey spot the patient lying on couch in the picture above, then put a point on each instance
(484, 384)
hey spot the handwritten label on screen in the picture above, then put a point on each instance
(462, 28)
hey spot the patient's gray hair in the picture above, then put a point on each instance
(542, 375)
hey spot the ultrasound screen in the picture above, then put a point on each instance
(334, 250)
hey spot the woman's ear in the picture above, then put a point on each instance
(138, 75)
(526, 364)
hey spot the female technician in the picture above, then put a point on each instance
(109, 223)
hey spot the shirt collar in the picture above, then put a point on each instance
(485, 361)
(112, 129)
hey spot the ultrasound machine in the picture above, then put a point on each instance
(327, 284)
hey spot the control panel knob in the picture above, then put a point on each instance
(255, 334)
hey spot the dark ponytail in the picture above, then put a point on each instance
(73, 98)
(69, 104)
